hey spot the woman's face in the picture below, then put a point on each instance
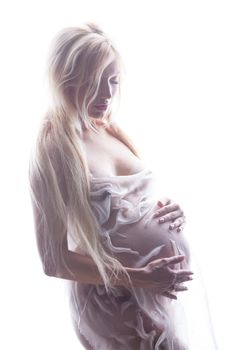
(107, 90)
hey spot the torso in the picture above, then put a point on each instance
(123, 206)
(108, 156)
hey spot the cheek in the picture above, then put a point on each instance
(115, 89)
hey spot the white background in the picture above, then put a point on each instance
(176, 106)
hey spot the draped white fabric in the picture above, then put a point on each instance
(138, 318)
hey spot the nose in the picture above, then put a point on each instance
(106, 91)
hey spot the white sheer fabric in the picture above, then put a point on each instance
(137, 319)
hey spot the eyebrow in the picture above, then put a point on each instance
(112, 75)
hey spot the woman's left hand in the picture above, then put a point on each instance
(170, 211)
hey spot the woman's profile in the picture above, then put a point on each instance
(97, 221)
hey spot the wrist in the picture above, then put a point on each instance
(136, 275)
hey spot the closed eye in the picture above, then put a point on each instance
(114, 82)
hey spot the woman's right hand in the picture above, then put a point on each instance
(161, 275)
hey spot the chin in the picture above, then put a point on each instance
(98, 115)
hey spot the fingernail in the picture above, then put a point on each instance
(171, 226)
(180, 257)
(161, 220)
(156, 214)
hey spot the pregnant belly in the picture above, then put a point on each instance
(140, 242)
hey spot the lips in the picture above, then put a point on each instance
(101, 107)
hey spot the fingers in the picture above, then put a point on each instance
(180, 228)
(175, 288)
(173, 260)
(169, 295)
(170, 212)
(175, 276)
(180, 288)
(183, 276)
(166, 209)
(171, 216)
(183, 272)
(178, 224)
(163, 201)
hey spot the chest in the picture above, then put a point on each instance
(108, 156)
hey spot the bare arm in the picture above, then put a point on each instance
(81, 268)
(84, 270)
(76, 266)
(157, 274)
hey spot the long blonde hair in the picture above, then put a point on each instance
(58, 172)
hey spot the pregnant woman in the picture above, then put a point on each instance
(97, 220)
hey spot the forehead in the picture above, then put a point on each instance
(112, 69)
